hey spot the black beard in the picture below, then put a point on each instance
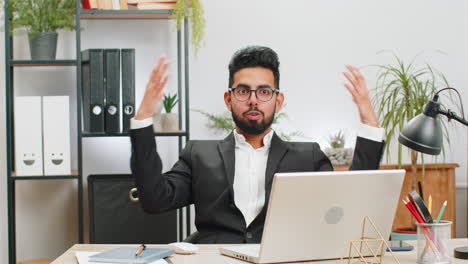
(253, 127)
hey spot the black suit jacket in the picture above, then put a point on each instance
(204, 176)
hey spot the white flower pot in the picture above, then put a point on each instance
(158, 123)
(158, 108)
(158, 117)
(170, 122)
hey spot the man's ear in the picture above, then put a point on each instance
(279, 102)
(227, 100)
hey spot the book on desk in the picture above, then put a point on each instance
(127, 255)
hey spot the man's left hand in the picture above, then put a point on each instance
(358, 88)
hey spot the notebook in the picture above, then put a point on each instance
(83, 258)
(127, 255)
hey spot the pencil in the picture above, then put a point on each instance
(441, 212)
(140, 249)
(430, 204)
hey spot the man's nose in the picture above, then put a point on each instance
(253, 100)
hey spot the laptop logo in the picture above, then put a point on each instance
(334, 215)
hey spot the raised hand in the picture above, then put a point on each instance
(154, 89)
(357, 87)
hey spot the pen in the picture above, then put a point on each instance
(140, 249)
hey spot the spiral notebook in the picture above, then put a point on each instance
(127, 255)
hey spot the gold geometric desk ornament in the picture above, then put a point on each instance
(369, 249)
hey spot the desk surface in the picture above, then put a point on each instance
(208, 254)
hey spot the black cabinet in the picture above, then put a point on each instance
(115, 219)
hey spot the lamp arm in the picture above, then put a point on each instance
(433, 107)
(452, 115)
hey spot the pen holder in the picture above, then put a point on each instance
(434, 242)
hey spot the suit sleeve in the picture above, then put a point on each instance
(322, 161)
(159, 192)
(367, 154)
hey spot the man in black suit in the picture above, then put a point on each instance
(229, 181)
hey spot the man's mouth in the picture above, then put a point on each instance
(253, 115)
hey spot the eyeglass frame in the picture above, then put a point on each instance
(274, 90)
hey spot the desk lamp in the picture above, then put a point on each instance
(423, 133)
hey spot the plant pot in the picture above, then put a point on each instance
(43, 45)
(158, 108)
(158, 117)
(170, 122)
(339, 156)
(158, 123)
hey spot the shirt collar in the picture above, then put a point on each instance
(240, 139)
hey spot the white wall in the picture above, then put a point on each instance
(314, 39)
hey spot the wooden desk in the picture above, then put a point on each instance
(209, 254)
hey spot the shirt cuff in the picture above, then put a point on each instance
(137, 124)
(371, 133)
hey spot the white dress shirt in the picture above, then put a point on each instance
(249, 176)
(250, 167)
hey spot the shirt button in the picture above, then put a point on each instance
(248, 235)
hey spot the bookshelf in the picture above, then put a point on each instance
(158, 134)
(126, 14)
(77, 174)
(33, 63)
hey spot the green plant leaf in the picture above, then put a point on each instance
(41, 15)
(194, 12)
(169, 102)
(223, 124)
(337, 140)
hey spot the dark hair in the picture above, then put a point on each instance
(254, 56)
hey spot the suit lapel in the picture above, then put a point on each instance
(278, 149)
(227, 151)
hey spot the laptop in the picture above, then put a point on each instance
(313, 215)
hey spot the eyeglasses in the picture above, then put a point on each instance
(243, 93)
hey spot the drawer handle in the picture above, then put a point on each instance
(132, 195)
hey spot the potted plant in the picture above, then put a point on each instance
(41, 19)
(402, 90)
(193, 10)
(337, 153)
(170, 121)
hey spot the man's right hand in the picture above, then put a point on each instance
(154, 89)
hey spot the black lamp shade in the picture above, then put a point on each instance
(423, 133)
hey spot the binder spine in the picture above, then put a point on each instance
(93, 90)
(85, 90)
(28, 136)
(128, 87)
(56, 131)
(112, 86)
